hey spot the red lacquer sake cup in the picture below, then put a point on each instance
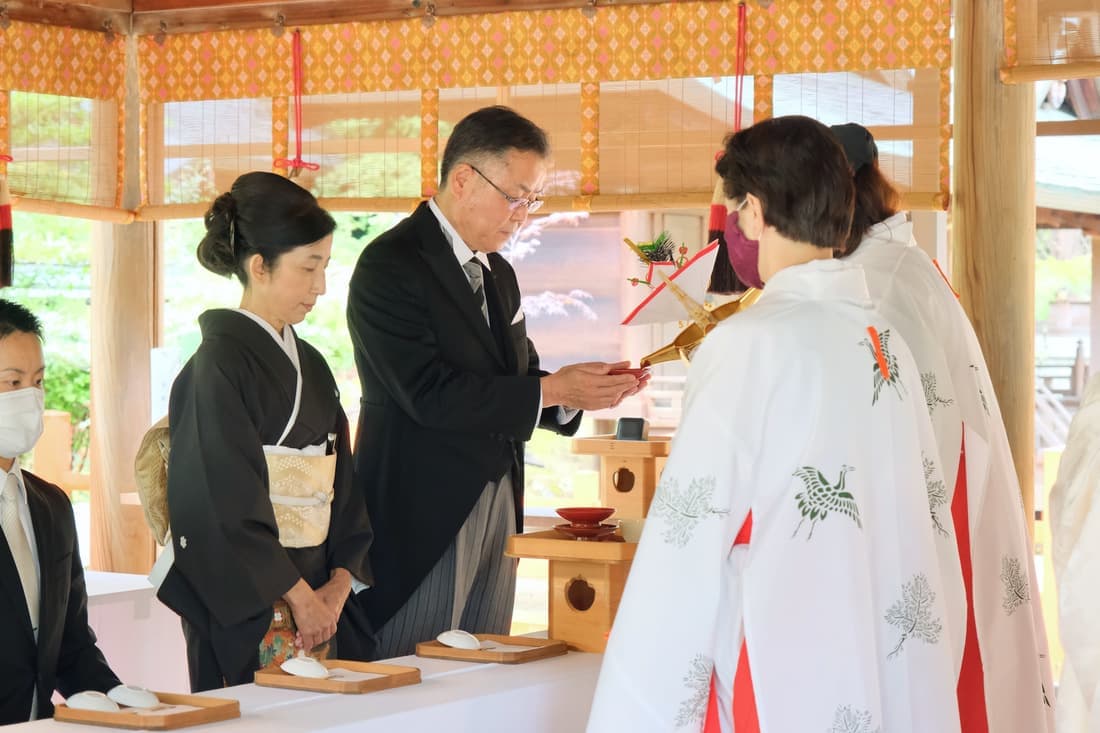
(585, 516)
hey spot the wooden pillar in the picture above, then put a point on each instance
(993, 225)
(123, 329)
(1094, 308)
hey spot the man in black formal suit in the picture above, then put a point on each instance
(452, 389)
(45, 641)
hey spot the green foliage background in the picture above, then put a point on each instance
(53, 278)
(189, 290)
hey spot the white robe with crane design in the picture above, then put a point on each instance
(791, 541)
(1006, 682)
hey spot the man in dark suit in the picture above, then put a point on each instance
(452, 389)
(45, 641)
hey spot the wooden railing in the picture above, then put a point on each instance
(53, 460)
(53, 454)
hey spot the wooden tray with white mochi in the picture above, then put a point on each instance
(174, 711)
(496, 648)
(352, 678)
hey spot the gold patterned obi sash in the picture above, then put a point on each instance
(301, 490)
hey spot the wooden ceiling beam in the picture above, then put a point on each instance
(149, 17)
(1057, 219)
(87, 14)
(191, 16)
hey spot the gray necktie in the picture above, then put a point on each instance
(17, 543)
(476, 274)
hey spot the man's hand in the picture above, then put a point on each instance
(335, 592)
(315, 620)
(642, 382)
(588, 386)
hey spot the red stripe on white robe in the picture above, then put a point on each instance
(971, 688)
(745, 719)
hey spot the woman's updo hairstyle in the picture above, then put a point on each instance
(263, 213)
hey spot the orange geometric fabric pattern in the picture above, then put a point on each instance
(762, 98)
(590, 137)
(635, 42)
(1011, 53)
(67, 62)
(429, 142)
(849, 35)
(5, 136)
(64, 62)
(280, 132)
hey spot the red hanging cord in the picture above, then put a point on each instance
(739, 74)
(297, 164)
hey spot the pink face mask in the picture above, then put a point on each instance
(743, 253)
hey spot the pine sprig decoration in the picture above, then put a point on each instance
(697, 680)
(683, 510)
(937, 493)
(912, 615)
(661, 249)
(931, 397)
(1015, 585)
(849, 720)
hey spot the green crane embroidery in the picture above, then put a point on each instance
(884, 365)
(820, 497)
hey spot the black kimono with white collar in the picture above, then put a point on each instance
(234, 396)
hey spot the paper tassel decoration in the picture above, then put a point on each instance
(7, 250)
(664, 303)
(723, 281)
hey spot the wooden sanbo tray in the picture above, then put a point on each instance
(539, 649)
(212, 709)
(554, 545)
(393, 676)
(607, 445)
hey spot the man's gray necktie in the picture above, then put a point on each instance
(17, 543)
(476, 273)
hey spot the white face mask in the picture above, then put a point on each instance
(20, 420)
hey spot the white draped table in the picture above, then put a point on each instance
(140, 637)
(546, 696)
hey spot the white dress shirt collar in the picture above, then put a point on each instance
(18, 473)
(462, 251)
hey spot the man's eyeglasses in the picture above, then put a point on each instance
(533, 203)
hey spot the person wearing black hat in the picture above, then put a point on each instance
(1005, 681)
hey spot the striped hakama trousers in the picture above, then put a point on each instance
(472, 586)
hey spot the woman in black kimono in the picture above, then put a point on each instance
(268, 535)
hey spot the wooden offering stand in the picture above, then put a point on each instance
(586, 582)
(587, 577)
(629, 470)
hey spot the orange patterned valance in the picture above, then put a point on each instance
(62, 61)
(73, 81)
(635, 42)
